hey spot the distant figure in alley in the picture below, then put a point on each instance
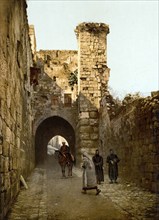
(65, 158)
(98, 163)
(112, 161)
(89, 177)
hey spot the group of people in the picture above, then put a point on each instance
(93, 173)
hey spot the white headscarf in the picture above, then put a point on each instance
(88, 158)
(85, 154)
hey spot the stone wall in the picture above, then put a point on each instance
(53, 96)
(134, 135)
(93, 75)
(55, 100)
(16, 150)
(32, 41)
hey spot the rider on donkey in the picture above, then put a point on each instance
(67, 157)
(65, 150)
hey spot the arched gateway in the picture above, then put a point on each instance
(71, 86)
(49, 128)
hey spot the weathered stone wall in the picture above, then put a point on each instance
(104, 129)
(55, 101)
(16, 150)
(53, 85)
(134, 135)
(93, 75)
(32, 41)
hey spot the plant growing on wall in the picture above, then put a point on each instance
(72, 79)
(131, 97)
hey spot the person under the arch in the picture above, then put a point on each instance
(65, 151)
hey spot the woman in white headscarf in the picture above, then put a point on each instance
(89, 177)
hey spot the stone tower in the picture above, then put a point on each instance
(93, 75)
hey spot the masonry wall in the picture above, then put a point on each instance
(50, 95)
(16, 149)
(93, 75)
(55, 100)
(134, 135)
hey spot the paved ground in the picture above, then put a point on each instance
(50, 197)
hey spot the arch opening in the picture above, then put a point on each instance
(49, 129)
(55, 143)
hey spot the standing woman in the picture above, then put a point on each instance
(89, 176)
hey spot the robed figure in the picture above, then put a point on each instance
(112, 161)
(98, 163)
(89, 177)
(65, 158)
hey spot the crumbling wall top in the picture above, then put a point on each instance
(92, 28)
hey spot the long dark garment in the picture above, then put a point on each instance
(113, 160)
(98, 163)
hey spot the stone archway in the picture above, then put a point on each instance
(49, 128)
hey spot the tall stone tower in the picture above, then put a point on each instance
(93, 75)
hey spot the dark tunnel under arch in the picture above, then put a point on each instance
(49, 128)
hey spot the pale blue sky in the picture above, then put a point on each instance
(132, 42)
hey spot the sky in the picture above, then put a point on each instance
(132, 44)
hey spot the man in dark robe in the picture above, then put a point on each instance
(98, 163)
(112, 161)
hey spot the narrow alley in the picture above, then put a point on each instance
(52, 197)
(50, 95)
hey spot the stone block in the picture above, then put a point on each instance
(6, 181)
(1, 180)
(6, 164)
(84, 115)
(155, 187)
(13, 176)
(5, 148)
(85, 136)
(94, 136)
(3, 109)
(8, 135)
(2, 202)
(18, 142)
(88, 144)
(95, 129)
(0, 124)
(14, 164)
(10, 163)
(86, 129)
(15, 188)
(84, 121)
(149, 167)
(94, 122)
(2, 163)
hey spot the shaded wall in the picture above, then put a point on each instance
(16, 150)
(134, 135)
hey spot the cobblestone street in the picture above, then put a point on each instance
(51, 197)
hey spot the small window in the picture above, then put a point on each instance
(67, 100)
(55, 100)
